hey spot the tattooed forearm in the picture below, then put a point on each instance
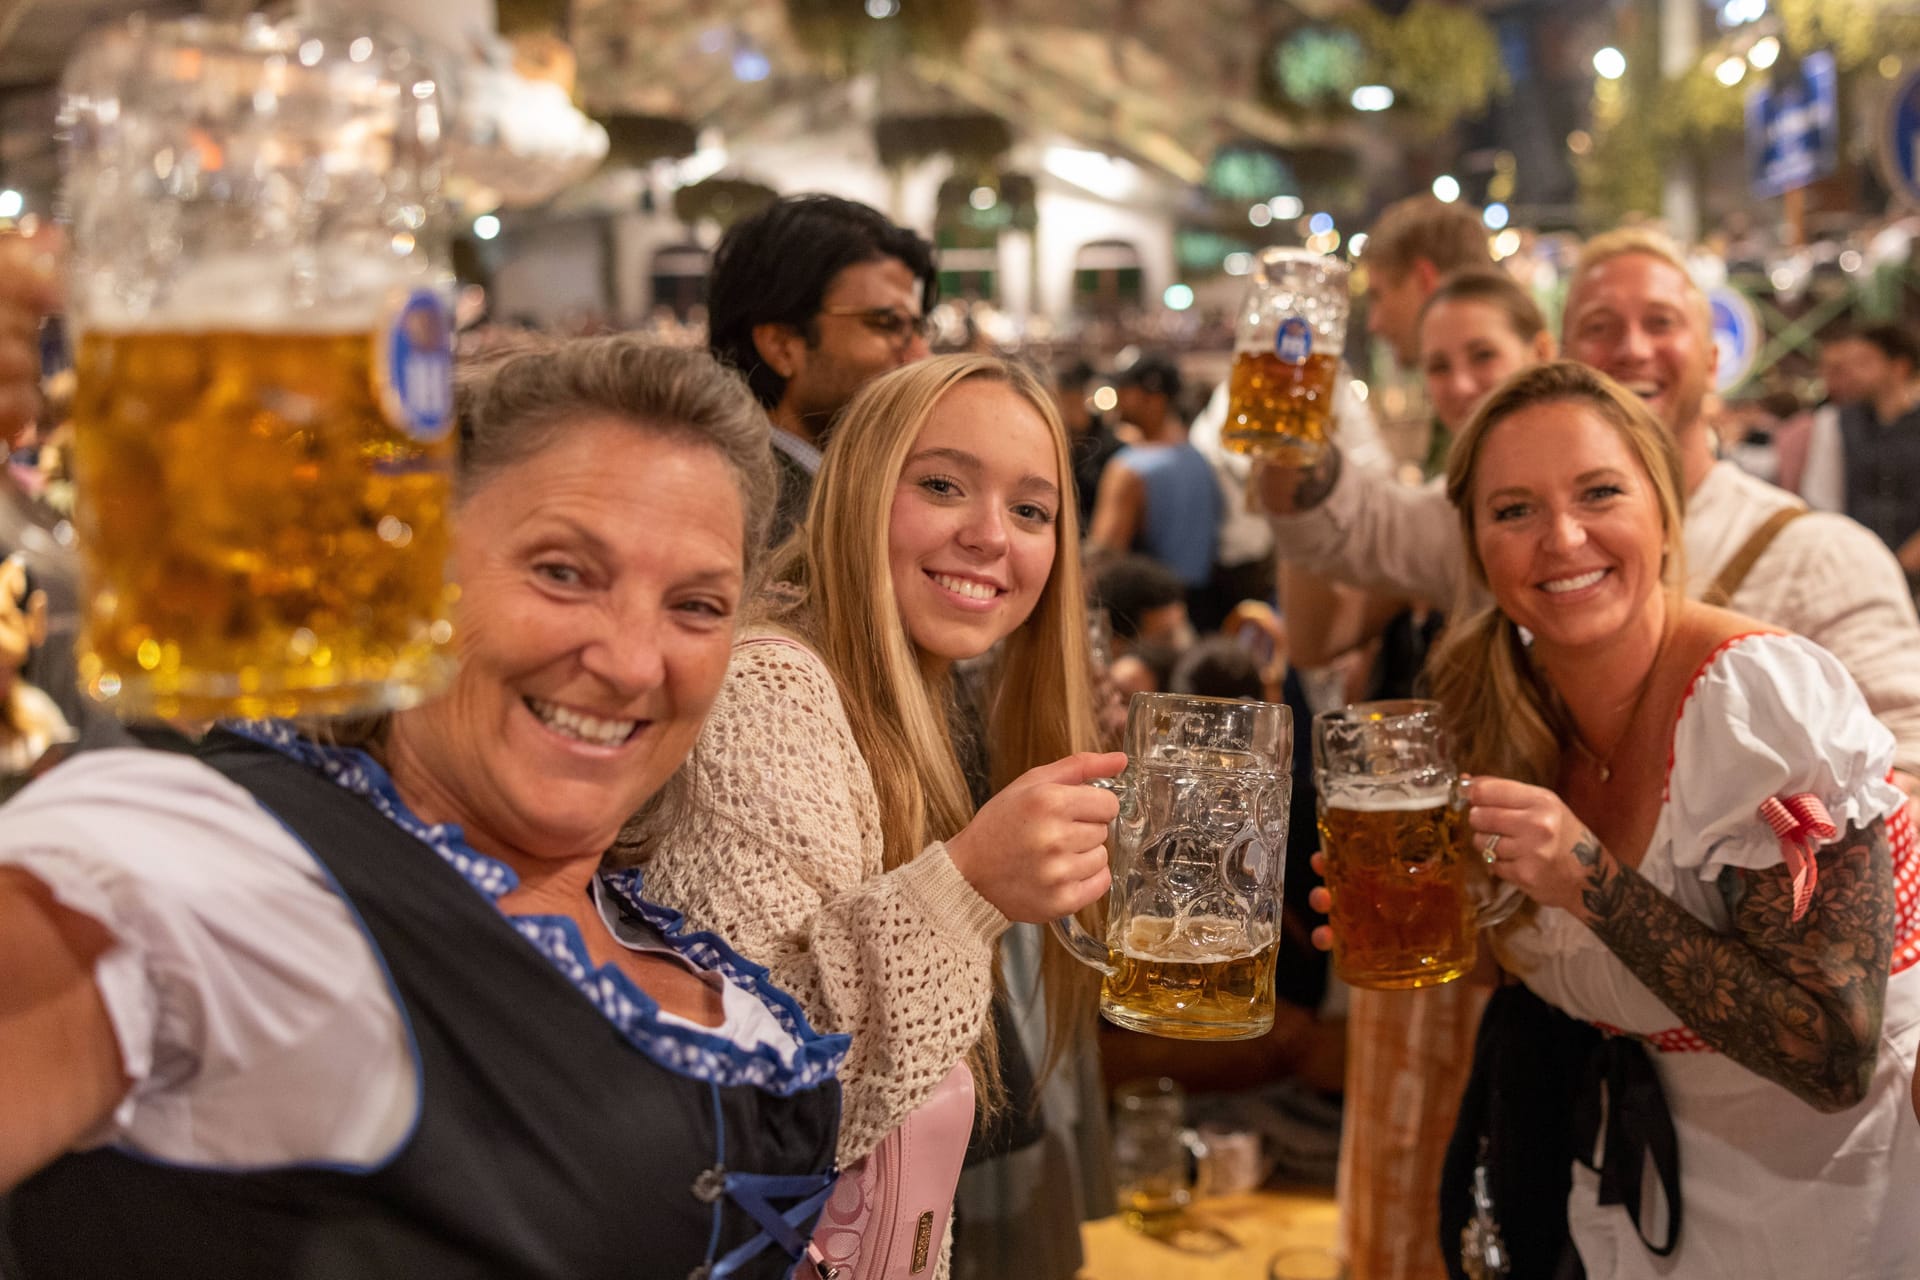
(1287, 491)
(1798, 1002)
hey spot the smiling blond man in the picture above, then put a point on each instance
(1635, 313)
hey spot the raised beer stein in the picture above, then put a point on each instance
(263, 448)
(1286, 353)
(1409, 893)
(1199, 851)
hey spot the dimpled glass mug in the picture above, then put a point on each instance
(263, 413)
(1199, 851)
(1409, 892)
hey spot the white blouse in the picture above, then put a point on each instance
(1769, 1186)
(254, 1018)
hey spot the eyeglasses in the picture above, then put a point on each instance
(896, 326)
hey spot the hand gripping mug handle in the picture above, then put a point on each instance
(1080, 944)
(1494, 900)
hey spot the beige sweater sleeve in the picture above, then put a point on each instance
(782, 858)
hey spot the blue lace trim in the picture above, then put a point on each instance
(681, 1049)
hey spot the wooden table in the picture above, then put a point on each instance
(1248, 1230)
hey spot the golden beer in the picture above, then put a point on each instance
(261, 539)
(1402, 915)
(1278, 408)
(1165, 986)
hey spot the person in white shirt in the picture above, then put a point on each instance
(1635, 313)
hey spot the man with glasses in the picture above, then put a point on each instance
(811, 298)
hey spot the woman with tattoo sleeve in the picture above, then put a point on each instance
(1721, 877)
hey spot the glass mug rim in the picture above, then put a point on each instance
(1388, 711)
(1299, 255)
(1266, 734)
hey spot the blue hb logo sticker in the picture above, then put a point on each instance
(1294, 342)
(417, 373)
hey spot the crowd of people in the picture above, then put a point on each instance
(784, 665)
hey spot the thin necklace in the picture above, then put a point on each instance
(1603, 764)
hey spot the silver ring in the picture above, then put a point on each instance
(1493, 842)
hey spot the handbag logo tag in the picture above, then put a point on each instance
(922, 1241)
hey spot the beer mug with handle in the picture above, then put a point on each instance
(1409, 893)
(1199, 851)
(1286, 355)
(263, 412)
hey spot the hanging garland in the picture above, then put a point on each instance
(721, 200)
(977, 137)
(635, 141)
(843, 38)
(1647, 120)
(1858, 31)
(1440, 61)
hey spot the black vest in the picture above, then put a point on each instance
(1883, 472)
(546, 1144)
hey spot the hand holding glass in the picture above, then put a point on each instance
(1199, 852)
(1409, 893)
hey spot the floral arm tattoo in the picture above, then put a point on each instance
(1291, 491)
(1796, 1002)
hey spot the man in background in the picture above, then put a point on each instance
(1158, 497)
(1864, 457)
(811, 298)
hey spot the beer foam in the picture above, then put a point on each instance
(1362, 799)
(250, 293)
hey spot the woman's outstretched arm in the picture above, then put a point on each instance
(60, 1073)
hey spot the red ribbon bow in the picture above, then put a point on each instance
(1803, 825)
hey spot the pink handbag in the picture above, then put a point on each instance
(888, 1214)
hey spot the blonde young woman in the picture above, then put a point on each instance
(1408, 1051)
(825, 823)
(1697, 806)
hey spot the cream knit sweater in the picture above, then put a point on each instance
(782, 858)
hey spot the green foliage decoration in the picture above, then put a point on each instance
(1318, 66)
(1858, 31)
(1442, 63)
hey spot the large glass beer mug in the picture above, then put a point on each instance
(1199, 851)
(1409, 893)
(264, 355)
(1286, 353)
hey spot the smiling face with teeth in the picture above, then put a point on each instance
(1641, 320)
(599, 580)
(1568, 528)
(973, 530)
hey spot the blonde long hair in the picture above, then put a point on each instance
(1040, 704)
(1507, 720)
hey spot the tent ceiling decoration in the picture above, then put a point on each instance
(1159, 84)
